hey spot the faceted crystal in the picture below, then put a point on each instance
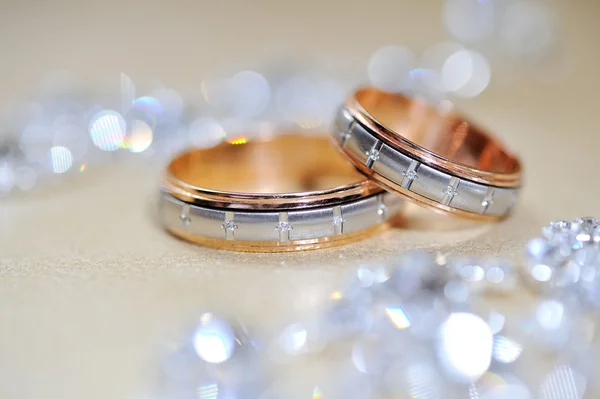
(284, 226)
(373, 154)
(449, 190)
(584, 224)
(410, 174)
(557, 228)
(229, 225)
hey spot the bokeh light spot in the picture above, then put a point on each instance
(107, 130)
(465, 346)
(214, 340)
(61, 159)
(141, 136)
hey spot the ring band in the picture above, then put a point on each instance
(289, 193)
(428, 155)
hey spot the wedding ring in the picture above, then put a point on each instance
(427, 154)
(292, 192)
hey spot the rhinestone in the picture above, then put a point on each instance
(229, 225)
(585, 224)
(284, 226)
(373, 154)
(410, 174)
(338, 220)
(451, 191)
(554, 228)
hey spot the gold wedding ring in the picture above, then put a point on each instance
(291, 192)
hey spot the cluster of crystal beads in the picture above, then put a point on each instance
(565, 260)
(430, 326)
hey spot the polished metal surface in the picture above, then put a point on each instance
(271, 226)
(401, 171)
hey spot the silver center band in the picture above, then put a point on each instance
(397, 167)
(294, 225)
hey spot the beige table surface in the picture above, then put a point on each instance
(91, 288)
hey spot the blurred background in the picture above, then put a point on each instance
(96, 96)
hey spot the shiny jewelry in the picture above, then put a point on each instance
(428, 155)
(288, 193)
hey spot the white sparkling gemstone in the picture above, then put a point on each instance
(487, 202)
(338, 220)
(284, 226)
(373, 154)
(229, 225)
(449, 190)
(584, 223)
(556, 228)
(410, 174)
(344, 135)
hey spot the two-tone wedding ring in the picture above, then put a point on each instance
(290, 192)
(428, 154)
